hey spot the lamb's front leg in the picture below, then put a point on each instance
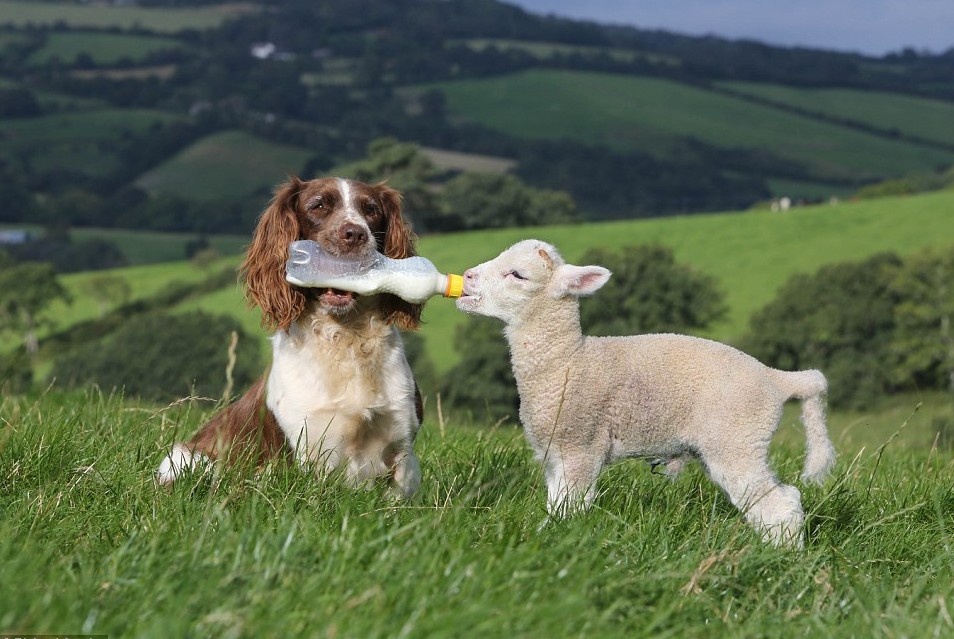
(406, 477)
(571, 483)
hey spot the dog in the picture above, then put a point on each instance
(339, 393)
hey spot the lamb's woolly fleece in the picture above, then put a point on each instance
(589, 401)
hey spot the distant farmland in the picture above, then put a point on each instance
(102, 48)
(225, 163)
(102, 16)
(627, 112)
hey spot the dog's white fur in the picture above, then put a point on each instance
(589, 401)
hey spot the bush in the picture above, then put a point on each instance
(163, 357)
(482, 382)
(649, 293)
(840, 320)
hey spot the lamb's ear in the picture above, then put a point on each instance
(577, 280)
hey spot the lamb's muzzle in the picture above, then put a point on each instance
(589, 401)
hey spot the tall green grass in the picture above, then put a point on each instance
(88, 543)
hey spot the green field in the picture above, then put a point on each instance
(230, 162)
(78, 140)
(102, 48)
(104, 16)
(639, 113)
(90, 544)
(750, 254)
(910, 115)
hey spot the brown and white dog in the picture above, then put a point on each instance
(339, 393)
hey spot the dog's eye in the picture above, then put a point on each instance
(371, 209)
(516, 274)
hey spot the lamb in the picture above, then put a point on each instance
(586, 402)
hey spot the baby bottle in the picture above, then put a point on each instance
(413, 279)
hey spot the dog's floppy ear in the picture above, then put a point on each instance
(264, 267)
(399, 243)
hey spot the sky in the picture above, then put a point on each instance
(872, 27)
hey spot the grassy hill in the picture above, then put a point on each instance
(652, 114)
(102, 48)
(909, 115)
(750, 254)
(77, 140)
(106, 16)
(225, 165)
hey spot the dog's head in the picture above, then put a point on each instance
(346, 218)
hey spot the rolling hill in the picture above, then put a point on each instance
(749, 253)
(653, 114)
(725, 123)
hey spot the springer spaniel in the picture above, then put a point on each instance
(339, 393)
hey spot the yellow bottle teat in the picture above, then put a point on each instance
(455, 285)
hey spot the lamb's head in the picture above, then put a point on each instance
(526, 276)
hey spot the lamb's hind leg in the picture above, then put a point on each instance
(774, 508)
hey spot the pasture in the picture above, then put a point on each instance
(910, 115)
(102, 48)
(90, 544)
(213, 166)
(104, 16)
(79, 140)
(652, 113)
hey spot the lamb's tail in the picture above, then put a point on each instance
(811, 387)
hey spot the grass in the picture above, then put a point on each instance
(921, 117)
(230, 162)
(651, 113)
(103, 16)
(90, 544)
(82, 141)
(103, 48)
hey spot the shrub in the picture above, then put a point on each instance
(649, 293)
(840, 320)
(162, 357)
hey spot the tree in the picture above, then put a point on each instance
(107, 289)
(26, 293)
(482, 381)
(649, 293)
(491, 200)
(162, 357)
(923, 343)
(840, 320)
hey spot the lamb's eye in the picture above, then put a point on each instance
(516, 274)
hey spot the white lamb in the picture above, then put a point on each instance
(589, 401)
